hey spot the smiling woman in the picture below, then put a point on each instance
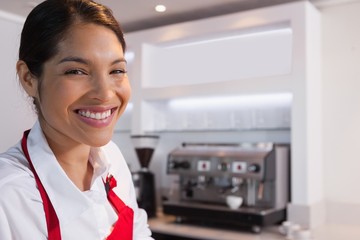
(63, 173)
(88, 74)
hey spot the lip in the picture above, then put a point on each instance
(97, 123)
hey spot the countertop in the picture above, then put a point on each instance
(166, 224)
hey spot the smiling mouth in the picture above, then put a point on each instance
(96, 115)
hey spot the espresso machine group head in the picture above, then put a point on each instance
(207, 174)
(144, 180)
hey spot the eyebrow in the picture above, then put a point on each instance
(84, 61)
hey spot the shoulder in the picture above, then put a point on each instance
(18, 188)
(18, 193)
(117, 162)
(114, 155)
(118, 167)
(21, 210)
(15, 173)
(111, 148)
(13, 166)
(17, 181)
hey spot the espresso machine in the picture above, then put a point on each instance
(208, 173)
(144, 180)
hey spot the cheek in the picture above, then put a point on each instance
(124, 91)
(129, 91)
(59, 96)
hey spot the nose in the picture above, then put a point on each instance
(102, 88)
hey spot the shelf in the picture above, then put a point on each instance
(263, 85)
(220, 130)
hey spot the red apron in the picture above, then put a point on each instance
(123, 228)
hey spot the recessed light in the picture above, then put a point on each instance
(160, 8)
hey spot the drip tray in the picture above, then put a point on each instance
(197, 213)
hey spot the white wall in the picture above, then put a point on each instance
(16, 112)
(341, 112)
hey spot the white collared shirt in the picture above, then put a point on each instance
(82, 215)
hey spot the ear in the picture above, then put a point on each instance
(28, 81)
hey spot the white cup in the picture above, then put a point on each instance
(284, 229)
(293, 229)
(302, 234)
(234, 202)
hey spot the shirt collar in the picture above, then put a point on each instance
(100, 164)
(68, 201)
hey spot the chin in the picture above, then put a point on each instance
(99, 141)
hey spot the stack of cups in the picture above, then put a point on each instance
(293, 231)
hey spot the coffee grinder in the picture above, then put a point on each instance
(144, 180)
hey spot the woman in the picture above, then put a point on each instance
(65, 179)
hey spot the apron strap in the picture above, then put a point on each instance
(52, 221)
(123, 228)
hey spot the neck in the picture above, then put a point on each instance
(79, 172)
(72, 156)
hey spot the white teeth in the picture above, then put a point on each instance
(95, 115)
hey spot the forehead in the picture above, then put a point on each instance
(83, 35)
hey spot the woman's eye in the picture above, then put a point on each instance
(75, 72)
(118, 71)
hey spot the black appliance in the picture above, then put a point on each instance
(144, 179)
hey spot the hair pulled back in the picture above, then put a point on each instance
(48, 23)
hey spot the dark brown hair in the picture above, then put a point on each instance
(48, 23)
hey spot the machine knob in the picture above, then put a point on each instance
(254, 168)
(223, 166)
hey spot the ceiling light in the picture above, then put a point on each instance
(160, 8)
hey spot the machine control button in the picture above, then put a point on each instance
(254, 168)
(203, 166)
(239, 167)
